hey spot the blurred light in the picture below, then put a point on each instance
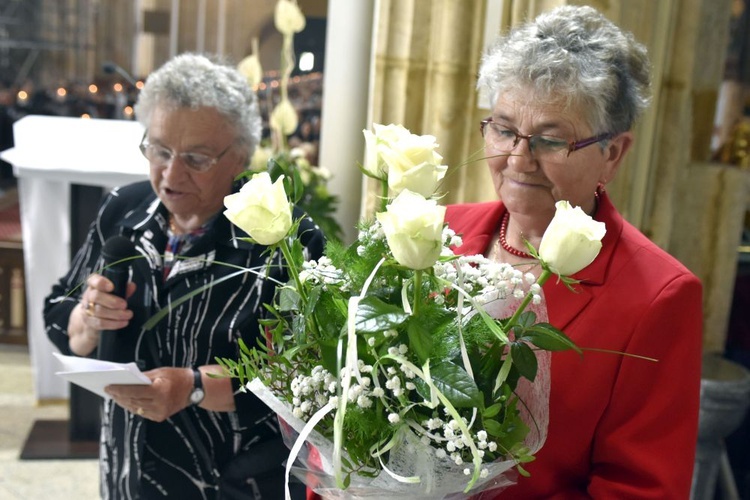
(262, 86)
(128, 111)
(22, 95)
(139, 84)
(117, 87)
(86, 115)
(93, 88)
(306, 61)
(61, 92)
(274, 84)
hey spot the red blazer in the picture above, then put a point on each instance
(619, 427)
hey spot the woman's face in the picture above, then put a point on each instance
(188, 194)
(532, 187)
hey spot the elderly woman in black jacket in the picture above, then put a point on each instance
(173, 438)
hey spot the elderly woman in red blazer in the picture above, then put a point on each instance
(565, 92)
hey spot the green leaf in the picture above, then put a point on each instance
(493, 427)
(502, 375)
(424, 327)
(514, 432)
(374, 315)
(299, 326)
(420, 339)
(330, 314)
(492, 411)
(289, 299)
(329, 354)
(489, 361)
(546, 336)
(456, 385)
(296, 248)
(524, 359)
(299, 186)
(527, 319)
(312, 300)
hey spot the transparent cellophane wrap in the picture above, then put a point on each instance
(440, 478)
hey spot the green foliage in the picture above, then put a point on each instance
(411, 346)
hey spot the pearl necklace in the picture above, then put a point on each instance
(504, 242)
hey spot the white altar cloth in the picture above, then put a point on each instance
(49, 155)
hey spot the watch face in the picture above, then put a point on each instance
(197, 395)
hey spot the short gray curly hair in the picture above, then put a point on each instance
(193, 81)
(575, 56)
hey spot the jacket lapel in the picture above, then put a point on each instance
(563, 305)
(476, 225)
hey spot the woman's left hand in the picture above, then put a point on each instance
(168, 393)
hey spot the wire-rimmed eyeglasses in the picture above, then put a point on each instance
(160, 156)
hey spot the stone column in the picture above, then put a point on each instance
(345, 98)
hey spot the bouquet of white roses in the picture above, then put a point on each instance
(396, 367)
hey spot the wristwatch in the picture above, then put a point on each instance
(197, 394)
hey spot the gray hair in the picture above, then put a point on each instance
(574, 56)
(193, 81)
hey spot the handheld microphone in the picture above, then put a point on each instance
(110, 68)
(115, 250)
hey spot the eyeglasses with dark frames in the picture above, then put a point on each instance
(543, 147)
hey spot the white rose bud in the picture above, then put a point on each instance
(381, 137)
(251, 69)
(413, 227)
(572, 240)
(259, 161)
(284, 118)
(288, 17)
(261, 209)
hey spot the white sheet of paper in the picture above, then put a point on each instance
(94, 374)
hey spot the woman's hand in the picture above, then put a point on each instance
(170, 391)
(98, 310)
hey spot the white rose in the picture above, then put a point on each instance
(382, 137)
(413, 227)
(572, 241)
(261, 209)
(413, 164)
(288, 17)
(284, 118)
(259, 161)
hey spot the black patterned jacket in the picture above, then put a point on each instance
(140, 458)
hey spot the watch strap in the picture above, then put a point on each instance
(197, 380)
(198, 393)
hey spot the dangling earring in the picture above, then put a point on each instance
(599, 191)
